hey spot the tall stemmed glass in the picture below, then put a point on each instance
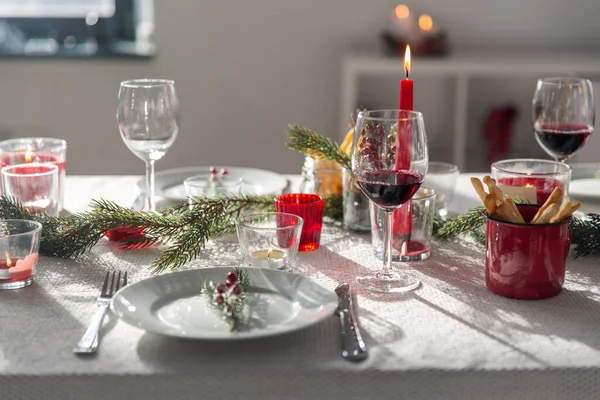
(563, 115)
(148, 118)
(389, 178)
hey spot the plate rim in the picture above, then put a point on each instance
(141, 183)
(329, 307)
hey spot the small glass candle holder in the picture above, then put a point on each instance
(356, 206)
(34, 185)
(310, 208)
(526, 261)
(19, 247)
(442, 178)
(531, 180)
(418, 247)
(200, 186)
(269, 240)
(38, 150)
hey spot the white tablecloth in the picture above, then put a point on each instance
(451, 339)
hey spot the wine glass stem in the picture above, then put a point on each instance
(389, 233)
(151, 201)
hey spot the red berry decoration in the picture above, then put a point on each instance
(229, 284)
(219, 300)
(237, 290)
(220, 288)
(213, 171)
(232, 277)
(224, 171)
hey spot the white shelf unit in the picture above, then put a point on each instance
(461, 68)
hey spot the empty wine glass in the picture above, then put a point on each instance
(563, 115)
(389, 178)
(148, 118)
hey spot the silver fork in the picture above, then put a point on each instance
(89, 341)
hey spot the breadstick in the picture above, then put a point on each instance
(504, 213)
(494, 190)
(554, 198)
(516, 213)
(574, 208)
(547, 214)
(479, 188)
(562, 211)
(490, 205)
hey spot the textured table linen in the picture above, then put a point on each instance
(451, 339)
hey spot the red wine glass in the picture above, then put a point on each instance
(389, 178)
(563, 115)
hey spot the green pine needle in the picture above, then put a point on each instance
(306, 141)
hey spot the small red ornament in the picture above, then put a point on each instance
(220, 288)
(229, 284)
(232, 277)
(237, 290)
(219, 300)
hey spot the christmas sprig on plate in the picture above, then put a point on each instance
(228, 298)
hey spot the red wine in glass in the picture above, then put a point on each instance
(389, 189)
(562, 140)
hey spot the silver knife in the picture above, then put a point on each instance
(353, 346)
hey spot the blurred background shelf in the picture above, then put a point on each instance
(455, 92)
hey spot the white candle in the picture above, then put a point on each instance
(269, 258)
(527, 192)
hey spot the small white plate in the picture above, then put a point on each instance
(172, 305)
(169, 183)
(585, 189)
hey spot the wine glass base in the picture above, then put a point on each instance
(388, 282)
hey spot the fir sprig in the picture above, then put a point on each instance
(585, 235)
(306, 141)
(185, 228)
(231, 308)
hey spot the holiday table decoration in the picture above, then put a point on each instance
(228, 298)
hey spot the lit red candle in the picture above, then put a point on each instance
(15, 270)
(403, 215)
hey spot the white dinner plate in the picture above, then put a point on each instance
(169, 183)
(171, 304)
(585, 183)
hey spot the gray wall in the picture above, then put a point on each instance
(245, 69)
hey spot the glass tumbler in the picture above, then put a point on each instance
(418, 248)
(442, 178)
(270, 240)
(19, 246)
(38, 150)
(34, 185)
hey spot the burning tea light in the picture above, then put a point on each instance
(269, 258)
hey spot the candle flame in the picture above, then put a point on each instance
(28, 157)
(529, 185)
(8, 261)
(269, 252)
(402, 11)
(425, 23)
(407, 60)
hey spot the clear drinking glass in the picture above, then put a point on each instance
(34, 185)
(389, 162)
(148, 118)
(418, 247)
(39, 150)
(563, 115)
(442, 177)
(200, 186)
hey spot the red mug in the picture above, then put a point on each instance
(526, 261)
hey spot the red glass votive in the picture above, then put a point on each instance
(526, 261)
(310, 208)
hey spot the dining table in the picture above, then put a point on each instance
(450, 339)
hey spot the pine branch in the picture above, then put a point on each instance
(585, 235)
(466, 223)
(334, 207)
(306, 141)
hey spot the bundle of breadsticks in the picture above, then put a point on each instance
(499, 206)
